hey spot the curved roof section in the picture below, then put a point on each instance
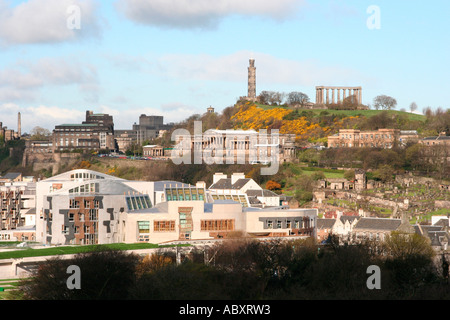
(82, 175)
(97, 187)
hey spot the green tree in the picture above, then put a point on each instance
(385, 173)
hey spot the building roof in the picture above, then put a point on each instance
(325, 223)
(11, 175)
(78, 125)
(425, 230)
(350, 219)
(382, 224)
(261, 193)
(226, 184)
(442, 222)
(162, 185)
(438, 138)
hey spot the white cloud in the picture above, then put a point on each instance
(46, 21)
(270, 70)
(43, 116)
(203, 13)
(24, 80)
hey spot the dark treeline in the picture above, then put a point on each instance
(251, 270)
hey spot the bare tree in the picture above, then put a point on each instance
(39, 133)
(271, 97)
(264, 97)
(299, 98)
(413, 107)
(384, 102)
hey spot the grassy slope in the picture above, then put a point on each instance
(367, 113)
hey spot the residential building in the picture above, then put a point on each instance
(324, 228)
(354, 229)
(440, 140)
(437, 232)
(11, 177)
(17, 210)
(368, 228)
(263, 198)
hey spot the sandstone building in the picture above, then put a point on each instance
(352, 138)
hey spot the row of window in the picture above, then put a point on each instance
(87, 204)
(169, 225)
(235, 197)
(86, 188)
(372, 145)
(87, 229)
(138, 202)
(296, 224)
(366, 136)
(93, 216)
(185, 194)
(85, 175)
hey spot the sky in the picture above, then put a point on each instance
(175, 58)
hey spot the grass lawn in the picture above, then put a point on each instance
(7, 285)
(329, 173)
(21, 253)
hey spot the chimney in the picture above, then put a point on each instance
(200, 184)
(236, 176)
(218, 176)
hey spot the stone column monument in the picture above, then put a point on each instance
(252, 80)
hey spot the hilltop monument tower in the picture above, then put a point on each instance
(251, 80)
(19, 126)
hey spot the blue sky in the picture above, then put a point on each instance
(177, 57)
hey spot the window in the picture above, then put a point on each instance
(217, 225)
(93, 214)
(73, 204)
(65, 229)
(144, 226)
(164, 226)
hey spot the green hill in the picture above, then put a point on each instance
(350, 113)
